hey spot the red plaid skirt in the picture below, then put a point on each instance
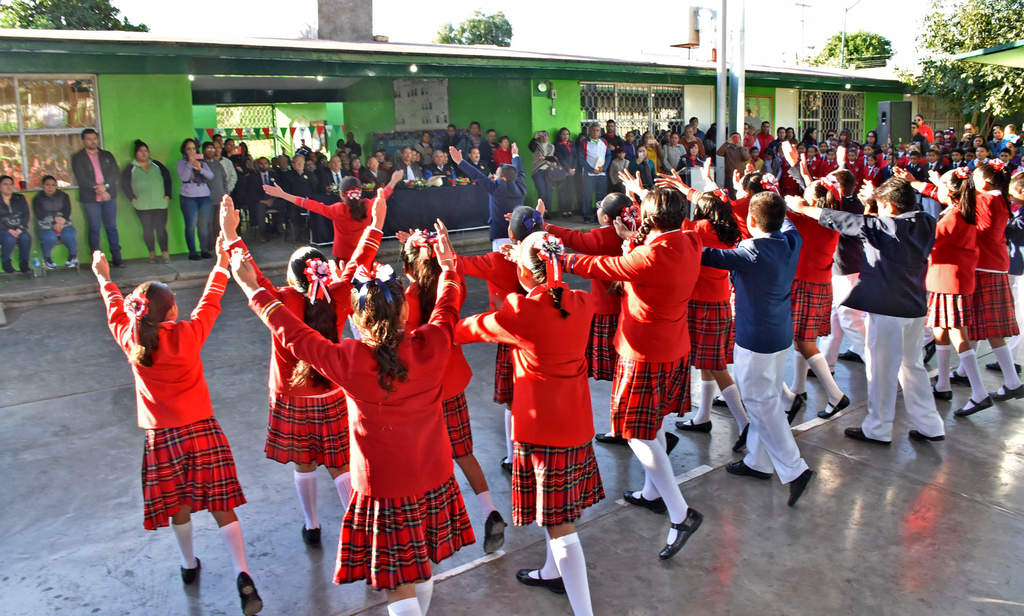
(392, 541)
(948, 310)
(189, 466)
(601, 353)
(308, 430)
(644, 392)
(711, 330)
(456, 416)
(503, 374)
(560, 481)
(992, 312)
(812, 309)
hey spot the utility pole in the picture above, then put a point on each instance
(721, 86)
(803, 32)
(842, 51)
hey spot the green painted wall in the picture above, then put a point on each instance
(871, 100)
(204, 116)
(369, 108)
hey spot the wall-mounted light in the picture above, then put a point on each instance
(543, 87)
(191, 77)
(847, 86)
(413, 68)
(319, 77)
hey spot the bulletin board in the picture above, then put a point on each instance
(421, 104)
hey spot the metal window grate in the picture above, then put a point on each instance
(245, 116)
(633, 106)
(828, 110)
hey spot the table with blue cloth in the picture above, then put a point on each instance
(460, 207)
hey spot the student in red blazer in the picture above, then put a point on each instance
(187, 464)
(419, 262)
(398, 522)
(552, 421)
(653, 343)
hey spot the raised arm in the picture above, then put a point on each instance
(632, 267)
(117, 320)
(502, 326)
(846, 223)
(589, 242)
(736, 259)
(208, 309)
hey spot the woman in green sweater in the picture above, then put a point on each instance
(148, 184)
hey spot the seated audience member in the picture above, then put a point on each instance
(411, 170)
(353, 146)
(14, 219)
(439, 166)
(503, 154)
(373, 174)
(262, 213)
(296, 181)
(52, 208)
(355, 168)
(451, 138)
(426, 141)
(474, 158)
(329, 177)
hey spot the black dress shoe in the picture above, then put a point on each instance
(194, 256)
(118, 263)
(956, 379)
(689, 426)
(917, 436)
(798, 485)
(683, 531)
(994, 367)
(1008, 394)
(719, 402)
(189, 576)
(831, 409)
(251, 602)
(205, 255)
(739, 468)
(973, 407)
(794, 409)
(857, 434)
(311, 536)
(671, 440)
(657, 505)
(942, 395)
(851, 356)
(555, 585)
(506, 465)
(610, 439)
(929, 351)
(494, 532)
(741, 442)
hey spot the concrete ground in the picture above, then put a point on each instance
(911, 529)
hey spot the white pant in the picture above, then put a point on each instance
(1017, 285)
(770, 442)
(931, 206)
(894, 354)
(846, 322)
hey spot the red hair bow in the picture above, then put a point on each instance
(722, 194)
(770, 182)
(136, 306)
(317, 274)
(631, 217)
(426, 241)
(832, 184)
(962, 172)
(550, 250)
(997, 164)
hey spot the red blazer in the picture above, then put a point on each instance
(659, 278)
(399, 442)
(817, 250)
(814, 166)
(787, 185)
(872, 174)
(551, 395)
(954, 257)
(172, 392)
(499, 272)
(457, 374)
(993, 215)
(600, 241)
(501, 157)
(712, 283)
(347, 230)
(826, 167)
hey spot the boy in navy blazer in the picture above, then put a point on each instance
(507, 190)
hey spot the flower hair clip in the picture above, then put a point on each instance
(962, 172)
(426, 241)
(630, 217)
(136, 306)
(832, 184)
(722, 194)
(997, 164)
(318, 273)
(550, 250)
(770, 182)
(375, 274)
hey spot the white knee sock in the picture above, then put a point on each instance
(820, 367)
(508, 434)
(573, 568)
(969, 362)
(550, 570)
(183, 533)
(405, 607)
(305, 486)
(707, 396)
(232, 536)
(343, 483)
(800, 382)
(1005, 358)
(486, 502)
(731, 395)
(648, 491)
(943, 354)
(424, 592)
(658, 467)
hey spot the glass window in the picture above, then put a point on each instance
(8, 106)
(56, 103)
(51, 155)
(10, 159)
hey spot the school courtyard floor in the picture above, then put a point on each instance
(910, 529)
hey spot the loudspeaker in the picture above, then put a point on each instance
(894, 122)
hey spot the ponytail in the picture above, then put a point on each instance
(712, 208)
(541, 257)
(147, 306)
(670, 209)
(377, 300)
(318, 312)
(419, 264)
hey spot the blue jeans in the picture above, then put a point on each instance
(196, 210)
(543, 185)
(593, 186)
(49, 238)
(24, 244)
(104, 212)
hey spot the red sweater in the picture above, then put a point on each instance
(872, 174)
(501, 157)
(600, 241)
(347, 230)
(659, 278)
(172, 392)
(740, 209)
(712, 283)
(993, 215)
(817, 250)
(551, 395)
(399, 440)
(499, 272)
(954, 257)
(457, 374)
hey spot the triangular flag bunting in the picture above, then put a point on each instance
(320, 130)
(199, 134)
(266, 132)
(291, 130)
(210, 132)
(283, 130)
(238, 132)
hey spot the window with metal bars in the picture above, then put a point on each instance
(827, 110)
(634, 106)
(251, 116)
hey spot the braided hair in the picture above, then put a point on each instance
(663, 210)
(382, 320)
(356, 207)
(320, 315)
(160, 300)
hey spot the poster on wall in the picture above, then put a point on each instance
(421, 104)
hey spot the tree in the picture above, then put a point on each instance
(65, 15)
(862, 48)
(480, 29)
(968, 25)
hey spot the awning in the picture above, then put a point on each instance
(1007, 54)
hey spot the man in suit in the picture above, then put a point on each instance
(96, 173)
(296, 181)
(410, 169)
(507, 190)
(439, 166)
(329, 177)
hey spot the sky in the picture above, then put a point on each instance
(774, 31)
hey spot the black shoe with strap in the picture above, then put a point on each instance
(741, 442)
(857, 434)
(831, 410)
(688, 426)
(740, 468)
(555, 585)
(494, 532)
(1008, 394)
(656, 505)
(189, 576)
(684, 530)
(251, 602)
(610, 439)
(798, 485)
(917, 436)
(995, 367)
(973, 407)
